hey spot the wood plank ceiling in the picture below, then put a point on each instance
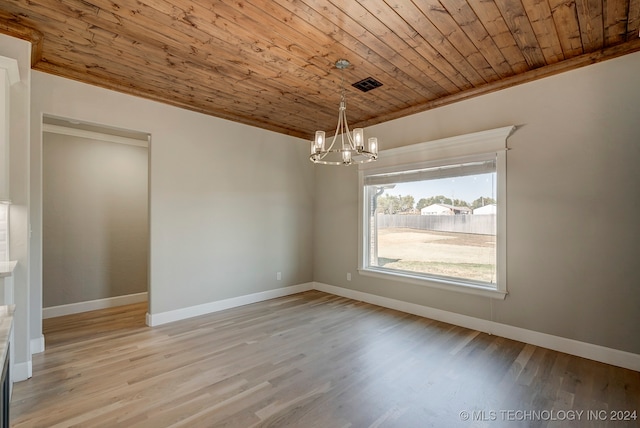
(270, 63)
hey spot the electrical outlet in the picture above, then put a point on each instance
(348, 276)
(279, 276)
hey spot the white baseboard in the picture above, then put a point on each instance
(37, 345)
(582, 349)
(614, 357)
(92, 305)
(220, 305)
(21, 371)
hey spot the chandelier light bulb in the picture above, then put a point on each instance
(373, 145)
(319, 141)
(351, 149)
(358, 138)
(346, 157)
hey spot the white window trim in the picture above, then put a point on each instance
(422, 155)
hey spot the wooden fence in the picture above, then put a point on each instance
(484, 224)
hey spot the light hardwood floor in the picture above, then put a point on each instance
(308, 360)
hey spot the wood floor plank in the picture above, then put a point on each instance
(308, 360)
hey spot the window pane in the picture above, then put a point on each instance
(428, 223)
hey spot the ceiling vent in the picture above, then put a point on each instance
(367, 84)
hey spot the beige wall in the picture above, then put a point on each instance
(230, 205)
(573, 205)
(95, 228)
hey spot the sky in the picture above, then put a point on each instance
(468, 188)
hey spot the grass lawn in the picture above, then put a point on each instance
(459, 255)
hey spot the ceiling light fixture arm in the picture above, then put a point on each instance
(352, 149)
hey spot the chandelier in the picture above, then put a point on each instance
(350, 148)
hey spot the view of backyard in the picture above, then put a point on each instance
(453, 254)
(437, 221)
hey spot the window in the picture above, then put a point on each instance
(433, 213)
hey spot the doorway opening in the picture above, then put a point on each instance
(95, 217)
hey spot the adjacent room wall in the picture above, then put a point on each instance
(95, 228)
(230, 205)
(573, 204)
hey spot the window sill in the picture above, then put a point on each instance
(441, 284)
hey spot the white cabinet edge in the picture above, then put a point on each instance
(11, 65)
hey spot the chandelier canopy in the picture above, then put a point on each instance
(350, 148)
